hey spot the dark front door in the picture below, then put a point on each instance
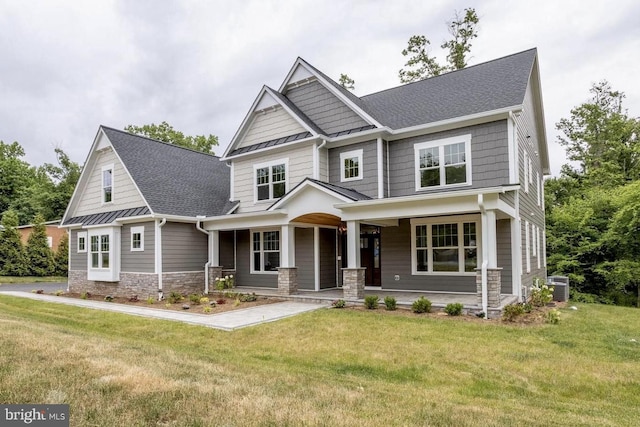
(370, 254)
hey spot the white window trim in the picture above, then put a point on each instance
(539, 187)
(137, 230)
(262, 252)
(527, 165)
(81, 234)
(113, 179)
(533, 241)
(111, 274)
(257, 166)
(440, 143)
(460, 220)
(527, 246)
(538, 245)
(50, 241)
(348, 155)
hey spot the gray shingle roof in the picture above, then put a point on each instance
(484, 87)
(270, 143)
(107, 217)
(346, 192)
(172, 179)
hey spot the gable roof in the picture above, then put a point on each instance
(493, 85)
(172, 179)
(345, 194)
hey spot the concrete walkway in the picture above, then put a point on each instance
(227, 321)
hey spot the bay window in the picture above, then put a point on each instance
(103, 255)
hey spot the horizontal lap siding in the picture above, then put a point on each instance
(243, 266)
(300, 167)
(327, 258)
(369, 183)
(489, 158)
(304, 258)
(503, 231)
(324, 108)
(395, 258)
(270, 125)
(125, 194)
(184, 248)
(138, 261)
(77, 261)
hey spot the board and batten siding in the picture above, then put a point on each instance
(125, 194)
(184, 248)
(489, 159)
(138, 261)
(243, 265)
(395, 259)
(269, 125)
(304, 258)
(77, 261)
(300, 161)
(368, 185)
(324, 108)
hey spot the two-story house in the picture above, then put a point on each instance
(432, 186)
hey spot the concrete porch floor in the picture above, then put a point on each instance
(403, 298)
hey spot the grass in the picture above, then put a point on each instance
(30, 279)
(329, 367)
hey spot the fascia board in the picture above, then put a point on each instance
(302, 187)
(274, 147)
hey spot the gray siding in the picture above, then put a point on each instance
(269, 125)
(138, 261)
(243, 266)
(324, 109)
(304, 258)
(184, 248)
(77, 261)
(395, 258)
(227, 249)
(327, 258)
(508, 198)
(489, 158)
(369, 183)
(503, 232)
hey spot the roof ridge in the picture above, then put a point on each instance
(158, 141)
(450, 72)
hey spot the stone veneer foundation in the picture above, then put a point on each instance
(494, 286)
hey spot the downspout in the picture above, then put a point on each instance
(208, 263)
(159, 255)
(485, 256)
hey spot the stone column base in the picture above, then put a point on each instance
(287, 281)
(214, 272)
(494, 286)
(353, 282)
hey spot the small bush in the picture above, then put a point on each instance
(371, 302)
(108, 298)
(453, 309)
(175, 297)
(85, 295)
(236, 302)
(390, 303)
(512, 311)
(553, 316)
(339, 303)
(168, 305)
(220, 301)
(204, 300)
(541, 293)
(195, 298)
(59, 292)
(226, 282)
(248, 297)
(206, 309)
(481, 315)
(150, 300)
(421, 305)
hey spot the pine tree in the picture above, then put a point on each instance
(39, 255)
(62, 257)
(12, 255)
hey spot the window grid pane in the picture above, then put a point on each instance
(454, 154)
(136, 240)
(351, 167)
(444, 235)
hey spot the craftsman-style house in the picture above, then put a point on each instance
(432, 186)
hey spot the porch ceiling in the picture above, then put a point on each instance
(318, 218)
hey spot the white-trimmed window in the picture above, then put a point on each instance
(265, 251)
(444, 162)
(103, 254)
(527, 171)
(351, 165)
(82, 242)
(445, 246)
(271, 180)
(107, 184)
(137, 239)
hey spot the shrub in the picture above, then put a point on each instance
(236, 302)
(541, 294)
(168, 305)
(512, 311)
(390, 303)
(59, 292)
(371, 302)
(453, 309)
(206, 309)
(150, 300)
(248, 297)
(481, 315)
(204, 300)
(553, 316)
(221, 301)
(421, 305)
(226, 282)
(339, 303)
(108, 298)
(195, 298)
(175, 297)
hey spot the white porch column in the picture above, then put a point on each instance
(214, 248)
(287, 246)
(489, 240)
(316, 257)
(353, 244)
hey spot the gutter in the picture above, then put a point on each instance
(208, 263)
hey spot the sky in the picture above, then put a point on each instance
(67, 67)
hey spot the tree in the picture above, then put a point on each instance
(15, 173)
(166, 133)
(422, 65)
(61, 257)
(12, 255)
(39, 255)
(347, 82)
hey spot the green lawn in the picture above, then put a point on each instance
(13, 279)
(329, 367)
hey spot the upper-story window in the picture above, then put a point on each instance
(271, 180)
(443, 162)
(351, 165)
(107, 184)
